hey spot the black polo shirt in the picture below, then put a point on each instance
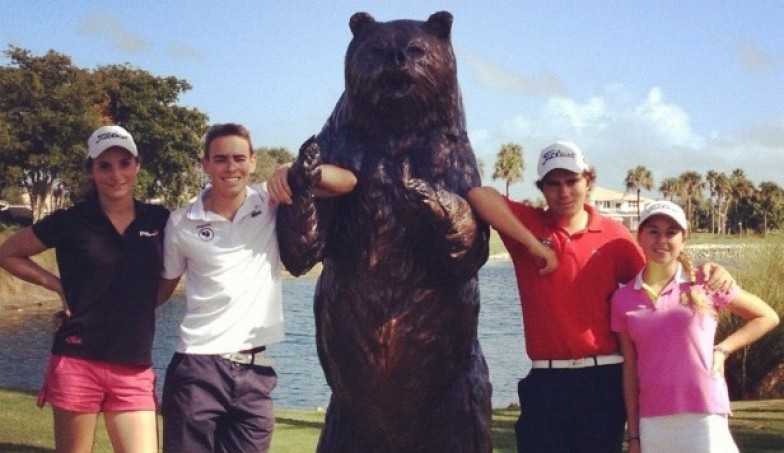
(110, 280)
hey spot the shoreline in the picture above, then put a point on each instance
(38, 302)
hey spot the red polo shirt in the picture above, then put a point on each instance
(566, 314)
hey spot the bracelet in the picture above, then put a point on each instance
(722, 350)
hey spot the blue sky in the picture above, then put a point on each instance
(672, 85)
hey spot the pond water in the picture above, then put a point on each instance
(24, 348)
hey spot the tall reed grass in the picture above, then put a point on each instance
(757, 371)
(16, 292)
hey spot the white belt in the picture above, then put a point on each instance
(594, 360)
(256, 356)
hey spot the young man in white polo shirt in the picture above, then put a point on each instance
(216, 394)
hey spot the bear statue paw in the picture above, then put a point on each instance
(422, 196)
(305, 173)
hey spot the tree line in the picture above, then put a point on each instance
(716, 202)
(49, 106)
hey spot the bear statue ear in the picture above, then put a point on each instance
(360, 22)
(440, 24)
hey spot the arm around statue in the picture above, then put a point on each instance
(492, 208)
(301, 226)
(335, 181)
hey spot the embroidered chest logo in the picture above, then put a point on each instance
(73, 340)
(148, 234)
(206, 234)
(257, 208)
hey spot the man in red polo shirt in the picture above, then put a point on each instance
(569, 259)
(572, 399)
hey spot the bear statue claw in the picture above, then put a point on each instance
(305, 172)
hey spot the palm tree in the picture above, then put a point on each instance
(671, 188)
(740, 187)
(718, 188)
(771, 197)
(692, 189)
(509, 164)
(723, 188)
(636, 179)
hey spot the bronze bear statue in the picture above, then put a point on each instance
(397, 303)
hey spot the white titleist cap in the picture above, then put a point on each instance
(563, 155)
(106, 137)
(666, 208)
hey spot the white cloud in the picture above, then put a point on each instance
(768, 135)
(109, 27)
(668, 121)
(498, 78)
(565, 114)
(754, 58)
(619, 131)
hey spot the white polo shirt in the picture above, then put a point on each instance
(232, 275)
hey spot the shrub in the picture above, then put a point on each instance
(757, 371)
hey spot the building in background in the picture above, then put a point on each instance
(620, 206)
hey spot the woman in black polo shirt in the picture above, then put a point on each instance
(109, 255)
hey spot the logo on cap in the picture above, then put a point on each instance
(557, 153)
(108, 135)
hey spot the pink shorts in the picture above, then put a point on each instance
(82, 385)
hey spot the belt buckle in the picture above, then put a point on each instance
(238, 357)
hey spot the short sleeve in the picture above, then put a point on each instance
(617, 313)
(173, 259)
(721, 299)
(523, 214)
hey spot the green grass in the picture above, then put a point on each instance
(753, 238)
(496, 245)
(758, 426)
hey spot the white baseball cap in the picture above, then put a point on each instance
(666, 208)
(563, 155)
(106, 137)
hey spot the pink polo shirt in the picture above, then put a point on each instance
(674, 346)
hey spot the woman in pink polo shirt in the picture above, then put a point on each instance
(666, 318)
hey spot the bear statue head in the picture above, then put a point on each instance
(402, 73)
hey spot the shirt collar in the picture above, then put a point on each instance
(680, 277)
(254, 203)
(93, 205)
(594, 220)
